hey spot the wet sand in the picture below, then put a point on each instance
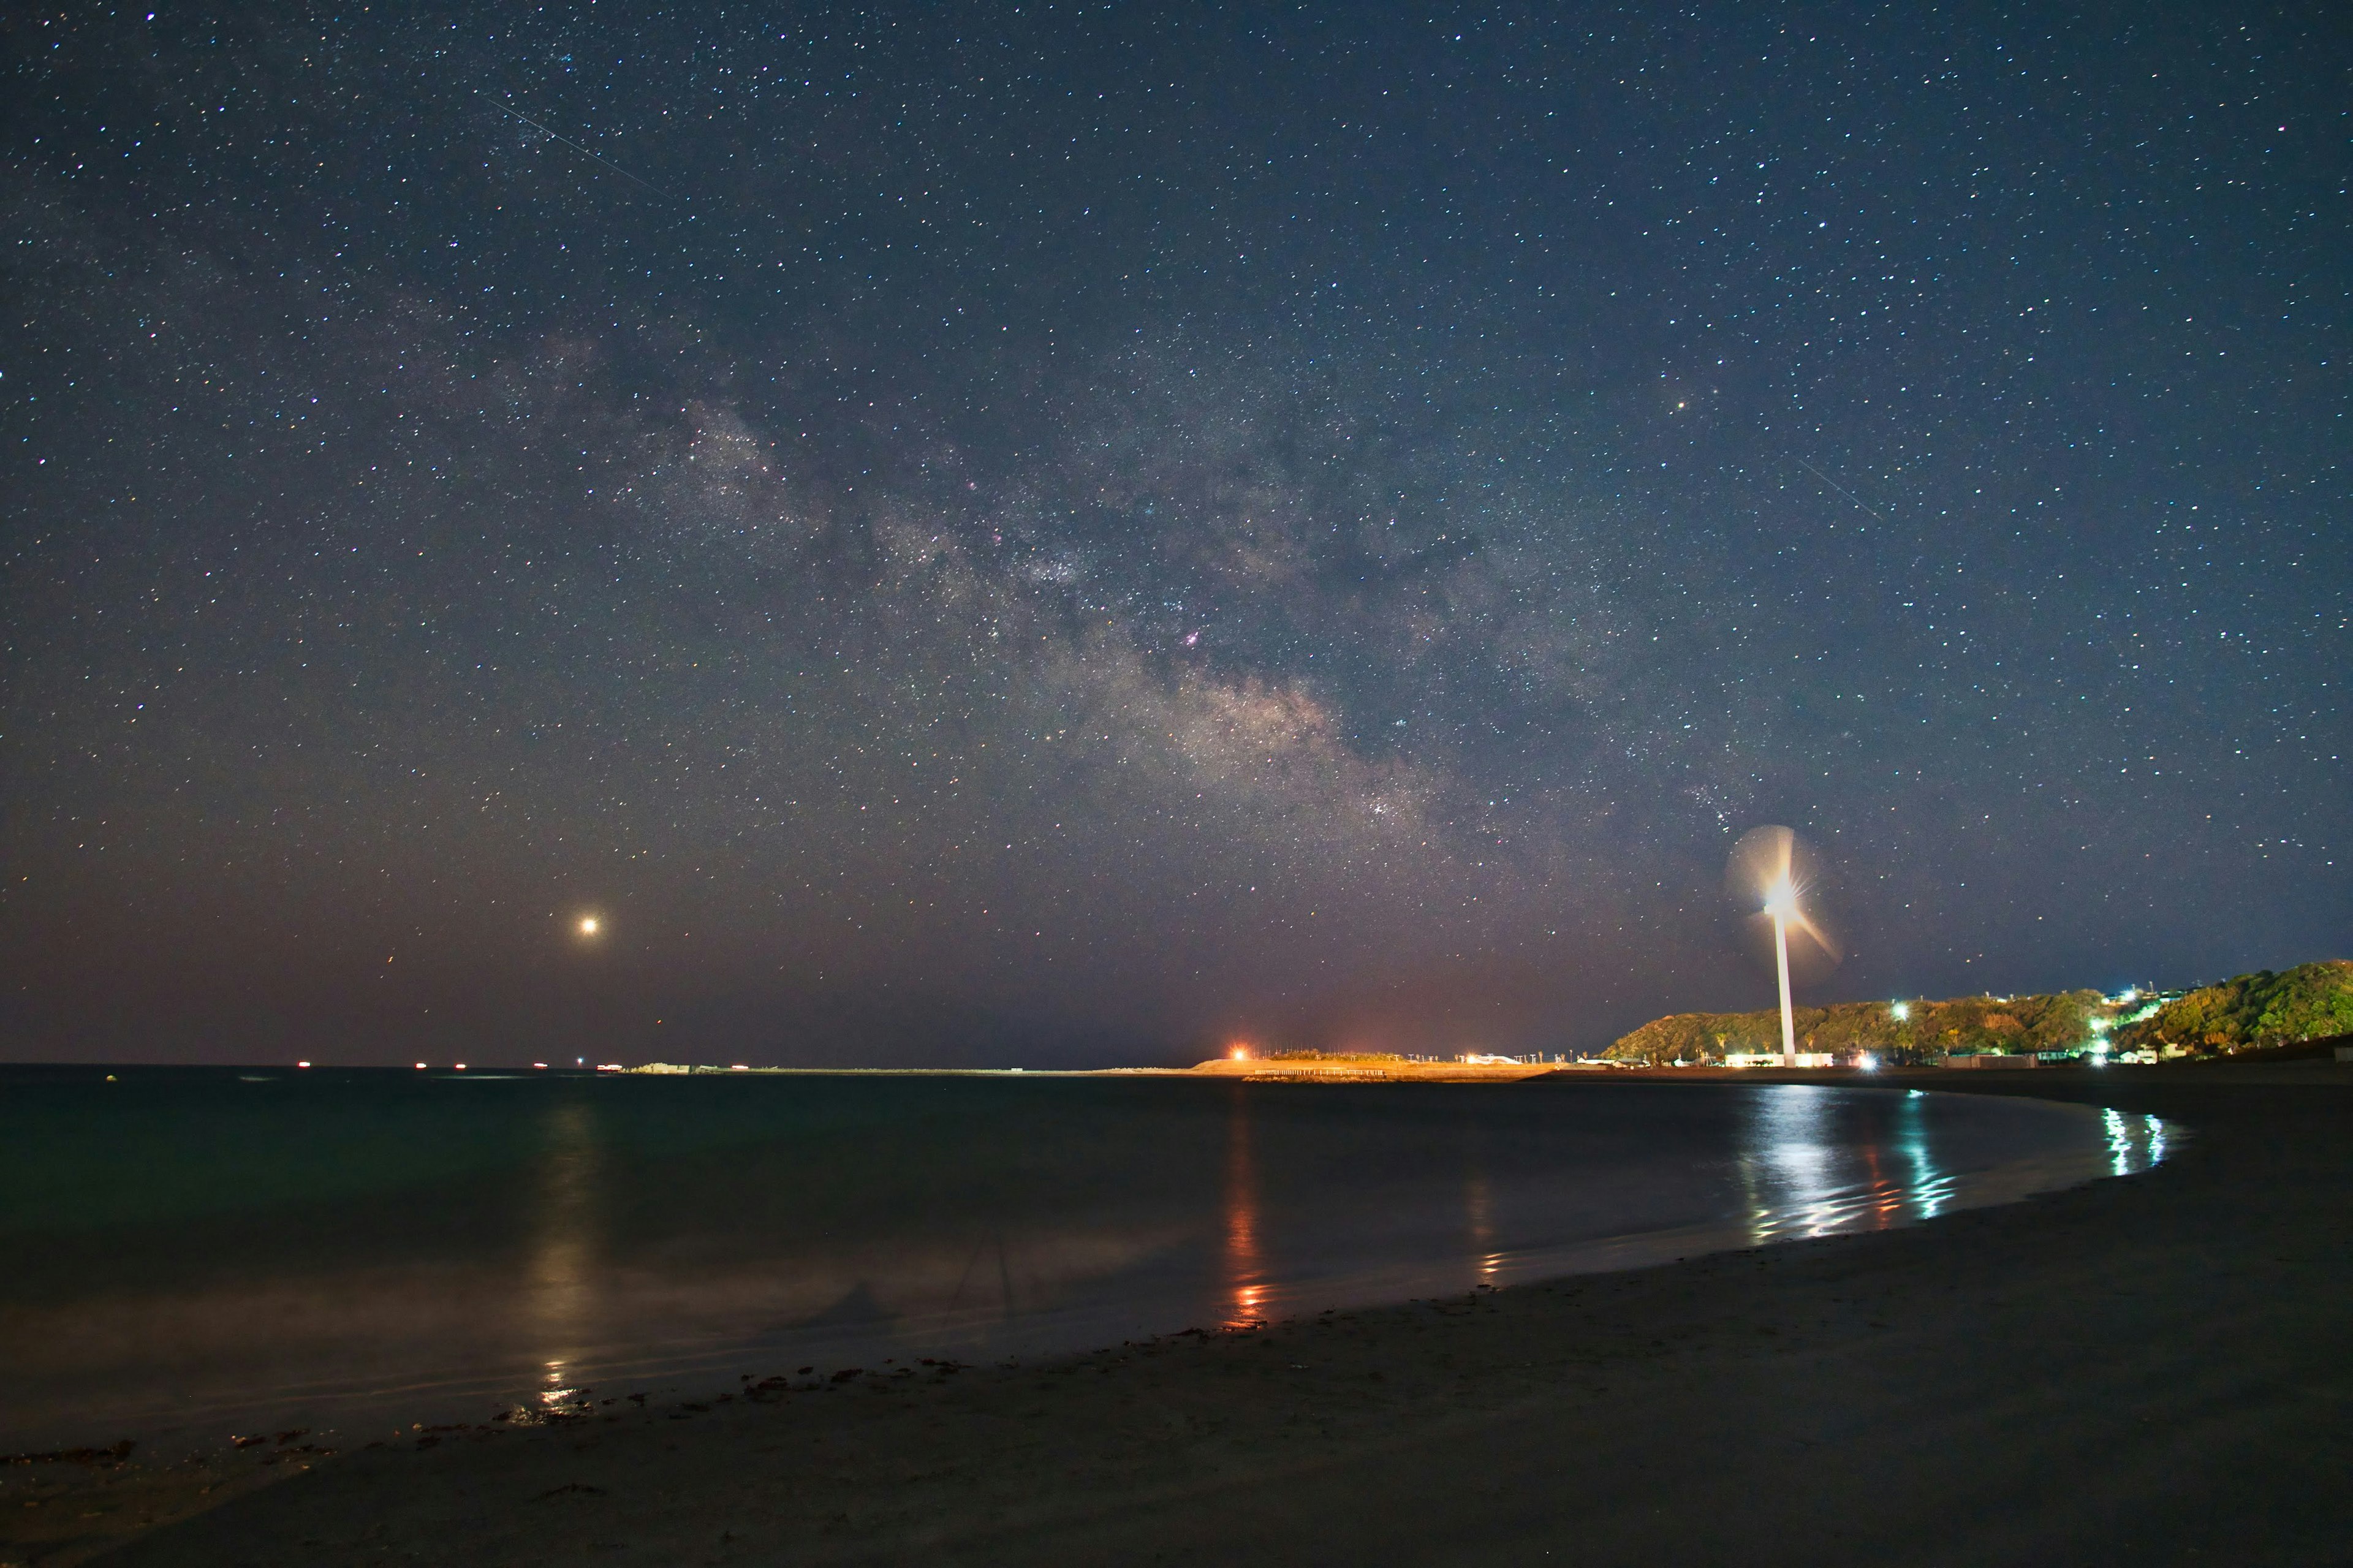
(2148, 1370)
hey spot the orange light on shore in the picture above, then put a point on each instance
(1239, 1051)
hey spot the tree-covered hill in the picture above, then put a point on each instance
(2263, 1009)
(2252, 1011)
(1964, 1023)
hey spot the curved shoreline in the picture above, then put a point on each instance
(2154, 1361)
(1615, 1180)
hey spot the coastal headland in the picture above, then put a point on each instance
(2135, 1371)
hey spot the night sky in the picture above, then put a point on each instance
(1064, 534)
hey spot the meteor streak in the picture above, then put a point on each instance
(1835, 485)
(576, 146)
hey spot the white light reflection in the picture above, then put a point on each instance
(1479, 1209)
(563, 1259)
(1792, 1176)
(2135, 1143)
(1801, 1179)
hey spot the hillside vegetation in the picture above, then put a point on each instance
(2249, 1012)
(2252, 1011)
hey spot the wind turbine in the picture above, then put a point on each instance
(1769, 864)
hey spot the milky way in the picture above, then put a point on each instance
(1074, 534)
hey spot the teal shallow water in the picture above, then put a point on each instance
(196, 1251)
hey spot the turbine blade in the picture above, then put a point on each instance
(1821, 937)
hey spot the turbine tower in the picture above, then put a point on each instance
(1781, 902)
(1770, 863)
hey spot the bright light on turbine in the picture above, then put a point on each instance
(1769, 864)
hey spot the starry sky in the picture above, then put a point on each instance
(1073, 534)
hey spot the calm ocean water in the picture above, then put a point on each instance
(193, 1252)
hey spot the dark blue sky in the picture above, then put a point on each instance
(1054, 534)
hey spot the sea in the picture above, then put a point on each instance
(194, 1254)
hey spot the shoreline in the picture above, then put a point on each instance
(2149, 1361)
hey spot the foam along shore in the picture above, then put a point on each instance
(2142, 1369)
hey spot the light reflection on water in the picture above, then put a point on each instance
(639, 1231)
(1801, 1180)
(563, 1271)
(1245, 1266)
(2135, 1143)
(1798, 1180)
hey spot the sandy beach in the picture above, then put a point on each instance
(2145, 1370)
